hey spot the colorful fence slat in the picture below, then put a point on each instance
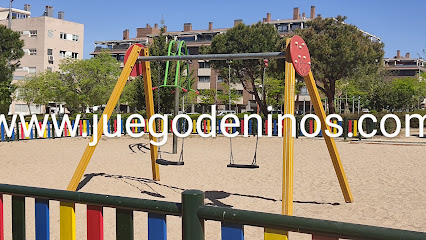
(274, 234)
(194, 126)
(231, 231)
(2, 135)
(95, 223)
(67, 221)
(317, 237)
(124, 224)
(18, 217)
(157, 228)
(355, 128)
(1, 218)
(275, 132)
(42, 224)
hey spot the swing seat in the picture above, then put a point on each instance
(233, 165)
(167, 162)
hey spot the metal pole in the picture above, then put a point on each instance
(359, 104)
(231, 56)
(175, 113)
(10, 14)
(353, 104)
(192, 226)
(229, 86)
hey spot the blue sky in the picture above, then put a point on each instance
(400, 24)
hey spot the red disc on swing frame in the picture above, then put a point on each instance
(299, 55)
(137, 69)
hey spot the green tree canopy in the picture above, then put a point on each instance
(246, 39)
(40, 88)
(10, 50)
(338, 51)
(88, 82)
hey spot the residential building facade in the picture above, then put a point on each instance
(208, 78)
(47, 40)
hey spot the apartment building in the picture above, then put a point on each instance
(47, 40)
(205, 76)
(404, 66)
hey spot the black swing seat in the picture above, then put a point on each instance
(167, 162)
(233, 165)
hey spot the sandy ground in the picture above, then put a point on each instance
(388, 180)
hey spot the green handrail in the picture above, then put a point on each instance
(136, 204)
(306, 225)
(194, 213)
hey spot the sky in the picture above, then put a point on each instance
(400, 24)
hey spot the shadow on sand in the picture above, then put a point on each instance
(213, 196)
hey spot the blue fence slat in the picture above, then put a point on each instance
(250, 126)
(72, 127)
(232, 231)
(88, 127)
(48, 130)
(13, 134)
(218, 124)
(32, 132)
(109, 126)
(2, 132)
(157, 229)
(275, 132)
(122, 126)
(42, 219)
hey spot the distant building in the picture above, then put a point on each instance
(205, 76)
(400, 67)
(404, 66)
(47, 41)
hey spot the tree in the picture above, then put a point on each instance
(338, 51)
(10, 50)
(40, 88)
(245, 39)
(88, 82)
(134, 93)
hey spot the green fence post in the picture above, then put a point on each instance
(17, 132)
(124, 224)
(192, 226)
(18, 218)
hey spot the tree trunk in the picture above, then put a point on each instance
(330, 100)
(262, 106)
(29, 108)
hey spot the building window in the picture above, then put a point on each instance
(33, 52)
(295, 26)
(32, 70)
(282, 28)
(68, 36)
(50, 33)
(33, 33)
(62, 53)
(49, 52)
(240, 92)
(74, 55)
(204, 65)
(219, 79)
(204, 79)
(49, 69)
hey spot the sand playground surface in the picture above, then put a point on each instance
(387, 179)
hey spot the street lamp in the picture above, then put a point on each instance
(10, 14)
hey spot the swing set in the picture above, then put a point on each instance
(297, 60)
